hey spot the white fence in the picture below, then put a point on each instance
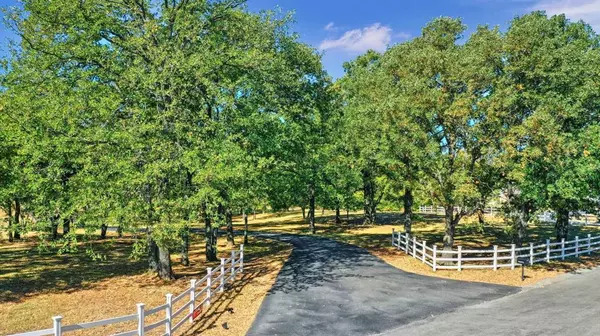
(198, 295)
(428, 209)
(495, 258)
(578, 218)
(575, 218)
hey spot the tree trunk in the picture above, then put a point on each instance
(245, 215)
(17, 221)
(103, 230)
(338, 219)
(67, 226)
(520, 220)
(165, 271)
(10, 225)
(518, 212)
(369, 197)
(408, 204)
(450, 227)
(229, 222)
(54, 224)
(322, 211)
(152, 253)
(159, 260)
(303, 213)
(120, 231)
(185, 246)
(481, 217)
(311, 211)
(211, 239)
(562, 223)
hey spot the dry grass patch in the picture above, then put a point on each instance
(34, 287)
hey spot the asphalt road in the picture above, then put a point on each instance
(330, 288)
(570, 306)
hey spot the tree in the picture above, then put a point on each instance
(362, 128)
(158, 96)
(446, 93)
(551, 72)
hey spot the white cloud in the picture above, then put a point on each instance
(375, 36)
(586, 10)
(330, 27)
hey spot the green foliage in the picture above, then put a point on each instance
(152, 115)
(149, 114)
(551, 85)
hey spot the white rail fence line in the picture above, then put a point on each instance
(440, 210)
(495, 258)
(197, 297)
(574, 218)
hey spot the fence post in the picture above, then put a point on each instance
(547, 250)
(208, 286)
(141, 316)
(495, 257)
(562, 249)
(232, 266)
(460, 258)
(192, 299)
(393, 235)
(414, 247)
(589, 244)
(57, 323)
(424, 250)
(406, 248)
(513, 255)
(169, 314)
(530, 253)
(241, 258)
(577, 246)
(434, 257)
(222, 286)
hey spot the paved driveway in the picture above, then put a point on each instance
(330, 288)
(570, 306)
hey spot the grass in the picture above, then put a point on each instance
(376, 239)
(34, 287)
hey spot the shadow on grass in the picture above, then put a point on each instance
(260, 258)
(25, 272)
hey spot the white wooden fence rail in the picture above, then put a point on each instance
(495, 258)
(579, 218)
(199, 294)
(428, 209)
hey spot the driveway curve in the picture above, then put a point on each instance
(331, 288)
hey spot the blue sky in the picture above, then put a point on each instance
(343, 29)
